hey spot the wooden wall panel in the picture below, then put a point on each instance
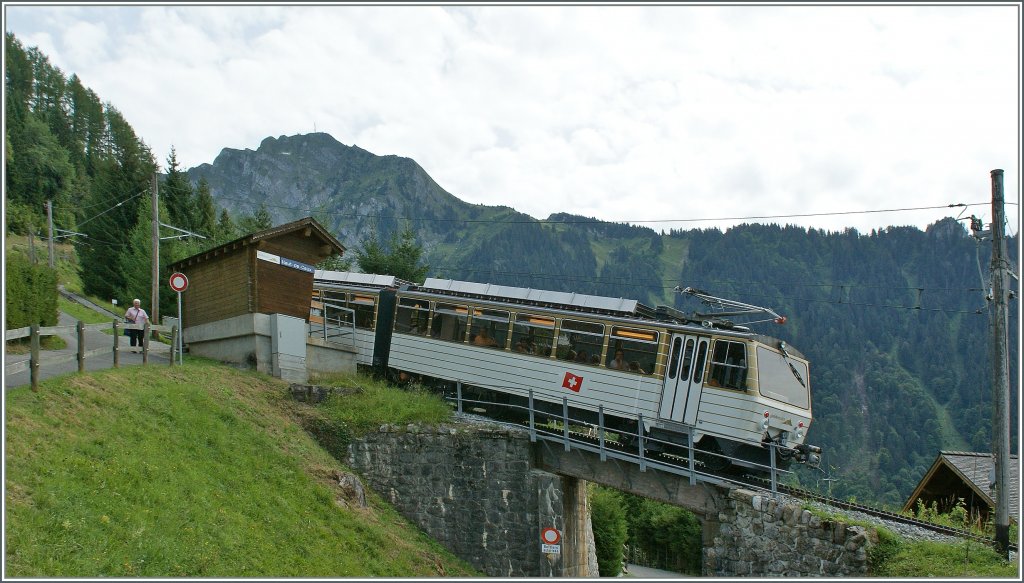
(283, 290)
(217, 289)
(296, 246)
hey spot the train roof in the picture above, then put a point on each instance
(599, 304)
(360, 279)
(571, 301)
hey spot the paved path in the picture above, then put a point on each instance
(89, 304)
(638, 572)
(159, 354)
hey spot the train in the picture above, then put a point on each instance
(656, 372)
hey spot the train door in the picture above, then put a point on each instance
(680, 396)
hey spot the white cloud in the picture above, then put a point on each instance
(618, 112)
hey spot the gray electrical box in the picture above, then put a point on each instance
(288, 347)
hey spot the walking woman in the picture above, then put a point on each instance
(136, 318)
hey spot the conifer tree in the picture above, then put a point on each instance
(176, 192)
(226, 228)
(258, 221)
(400, 258)
(206, 211)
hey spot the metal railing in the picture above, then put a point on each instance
(334, 323)
(615, 443)
(37, 359)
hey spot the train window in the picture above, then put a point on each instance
(364, 306)
(639, 349)
(684, 372)
(580, 342)
(412, 316)
(676, 345)
(490, 328)
(533, 334)
(728, 365)
(449, 322)
(698, 363)
(780, 378)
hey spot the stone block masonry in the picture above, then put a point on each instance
(477, 490)
(758, 536)
(474, 490)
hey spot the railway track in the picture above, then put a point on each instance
(887, 515)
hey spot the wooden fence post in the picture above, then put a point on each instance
(145, 342)
(117, 360)
(80, 329)
(174, 344)
(33, 360)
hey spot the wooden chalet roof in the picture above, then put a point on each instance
(975, 470)
(330, 242)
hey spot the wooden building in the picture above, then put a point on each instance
(964, 475)
(266, 272)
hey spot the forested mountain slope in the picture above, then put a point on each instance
(896, 328)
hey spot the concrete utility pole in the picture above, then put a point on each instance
(1000, 369)
(154, 305)
(49, 220)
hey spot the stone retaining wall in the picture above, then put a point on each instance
(760, 536)
(472, 488)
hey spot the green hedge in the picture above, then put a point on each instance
(31, 294)
(608, 519)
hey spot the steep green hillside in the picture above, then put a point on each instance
(194, 471)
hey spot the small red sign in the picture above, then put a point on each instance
(550, 536)
(179, 282)
(572, 382)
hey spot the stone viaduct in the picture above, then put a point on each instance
(486, 492)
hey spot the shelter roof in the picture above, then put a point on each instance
(308, 223)
(976, 470)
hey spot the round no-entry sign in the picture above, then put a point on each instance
(550, 536)
(179, 282)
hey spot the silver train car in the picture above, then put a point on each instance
(733, 390)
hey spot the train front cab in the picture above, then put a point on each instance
(735, 395)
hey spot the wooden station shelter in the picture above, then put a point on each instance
(265, 272)
(965, 475)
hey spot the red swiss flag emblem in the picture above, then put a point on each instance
(572, 382)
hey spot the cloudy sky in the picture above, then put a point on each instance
(663, 113)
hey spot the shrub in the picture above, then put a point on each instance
(608, 519)
(21, 219)
(31, 294)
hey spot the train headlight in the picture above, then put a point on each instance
(764, 424)
(800, 430)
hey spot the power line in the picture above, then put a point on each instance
(599, 221)
(659, 282)
(79, 225)
(585, 279)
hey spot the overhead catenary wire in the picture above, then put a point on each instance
(661, 282)
(79, 225)
(597, 221)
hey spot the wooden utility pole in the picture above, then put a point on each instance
(1000, 369)
(154, 305)
(49, 220)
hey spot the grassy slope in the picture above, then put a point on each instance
(201, 471)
